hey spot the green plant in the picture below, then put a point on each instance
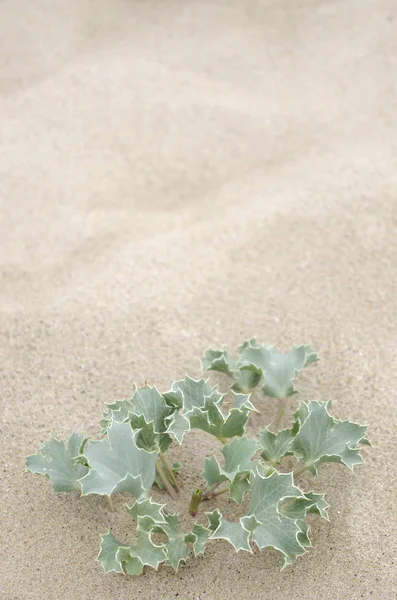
(136, 434)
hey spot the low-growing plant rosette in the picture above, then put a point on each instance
(135, 434)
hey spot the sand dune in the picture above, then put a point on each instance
(175, 175)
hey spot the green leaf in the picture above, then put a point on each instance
(219, 360)
(146, 550)
(148, 413)
(193, 393)
(152, 519)
(200, 408)
(146, 437)
(246, 379)
(109, 554)
(150, 404)
(223, 362)
(238, 460)
(176, 549)
(278, 369)
(56, 461)
(199, 538)
(310, 503)
(118, 465)
(234, 533)
(321, 438)
(131, 564)
(238, 487)
(274, 446)
(273, 529)
(178, 426)
(118, 411)
(265, 524)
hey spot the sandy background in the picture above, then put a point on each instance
(180, 174)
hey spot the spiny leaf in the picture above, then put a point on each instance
(307, 504)
(118, 411)
(153, 514)
(176, 548)
(238, 459)
(200, 408)
(264, 524)
(145, 549)
(193, 393)
(273, 529)
(223, 362)
(278, 369)
(179, 426)
(274, 446)
(321, 438)
(199, 538)
(234, 533)
(55, 461)
(149, 403)
(118, 465)
(152, 519)
(219, 360)
(246, 379)
(109, 554)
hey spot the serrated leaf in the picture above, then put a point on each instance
(223, 362)
(264, 524)
(218, 360)
(273, 529)
(151, 518)
(246, 379)
(278, 369)
(199, 538)
(234, 533)
(201, 409)
(59, 463)
(109, 554)
(131, 564)
(146, 437)
(119, 411)
(149, 403)
(321, 438)
(178, 427)
(238, 460)
(238, 487)
(147, 508)
(176, 548)
(274, 446)
(193, 393)
(118, 465)
(146, 550)
(310, 503)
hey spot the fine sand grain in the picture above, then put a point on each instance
(179, 174)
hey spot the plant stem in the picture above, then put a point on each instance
(169, 471)
(164, 479)
(195, 501)
(110, 503)
(218, 493)
(280, 413)
(210, 491)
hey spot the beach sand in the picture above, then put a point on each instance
(178, 175)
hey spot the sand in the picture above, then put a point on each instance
(177, 175)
